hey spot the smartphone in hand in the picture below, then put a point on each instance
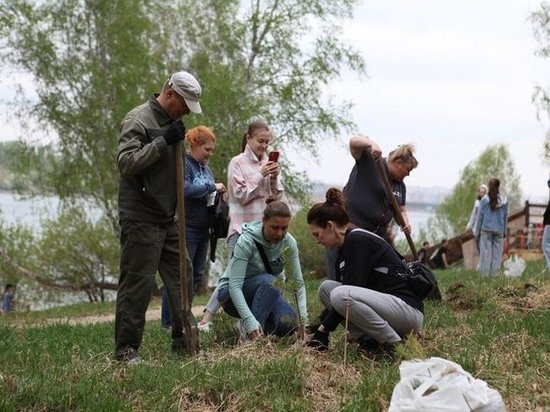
(274, 156)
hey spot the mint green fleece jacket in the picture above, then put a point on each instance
(247, 262)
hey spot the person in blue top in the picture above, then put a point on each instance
(200, 190)
(381, 307)
(546, 233)
(8, 299)
(490, 229)
(246, 289)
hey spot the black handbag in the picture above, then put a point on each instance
(219, 225)
(422, 280)
(220, 218)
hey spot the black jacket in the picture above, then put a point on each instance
(366, 260)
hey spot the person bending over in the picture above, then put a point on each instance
(246, 289)
(382, 308)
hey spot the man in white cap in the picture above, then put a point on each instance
(147, 205)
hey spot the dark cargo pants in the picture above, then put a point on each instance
(145, 249)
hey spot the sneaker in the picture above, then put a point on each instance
(131, 357)
(205, 326)
(241, 331)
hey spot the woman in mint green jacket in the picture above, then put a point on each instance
(246, 288)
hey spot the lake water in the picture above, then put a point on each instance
(418, 218)
(30, 211)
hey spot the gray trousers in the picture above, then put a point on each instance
(490, 253)
(380, 316)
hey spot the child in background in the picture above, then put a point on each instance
(8, 299)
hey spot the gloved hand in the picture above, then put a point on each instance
(175, 133)
(319, 341)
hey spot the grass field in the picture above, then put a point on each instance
(498, 330)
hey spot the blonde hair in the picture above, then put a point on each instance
(405, 154)
(197, 136)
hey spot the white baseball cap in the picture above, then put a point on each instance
(185, 84)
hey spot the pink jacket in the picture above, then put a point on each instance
(248, 189)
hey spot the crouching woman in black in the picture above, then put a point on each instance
(382, 309)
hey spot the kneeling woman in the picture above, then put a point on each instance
(381, 307)
(246, 288)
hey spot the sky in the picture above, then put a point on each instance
(451, 77)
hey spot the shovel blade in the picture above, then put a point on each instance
(190, 332)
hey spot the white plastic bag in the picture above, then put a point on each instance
(439, 385)
(514, 266)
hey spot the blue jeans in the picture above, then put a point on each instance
(546, 245)
(266, 303)
(197, 241)
(490, 253)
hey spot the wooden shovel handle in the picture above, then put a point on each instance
(189, 325)
(396, 208)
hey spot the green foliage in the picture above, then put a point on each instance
(452, 215)
(15, 243)
(7, 164)
(87, 65)
(91, 62)
(31, 166)
(71, 253)
(312, 255)
(541, 96)
(73, 250)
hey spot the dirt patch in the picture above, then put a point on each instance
(152, 314)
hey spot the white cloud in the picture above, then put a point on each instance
(453, 78)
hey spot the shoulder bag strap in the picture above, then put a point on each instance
(264, 257)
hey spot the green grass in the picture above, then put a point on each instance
(497, 329)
